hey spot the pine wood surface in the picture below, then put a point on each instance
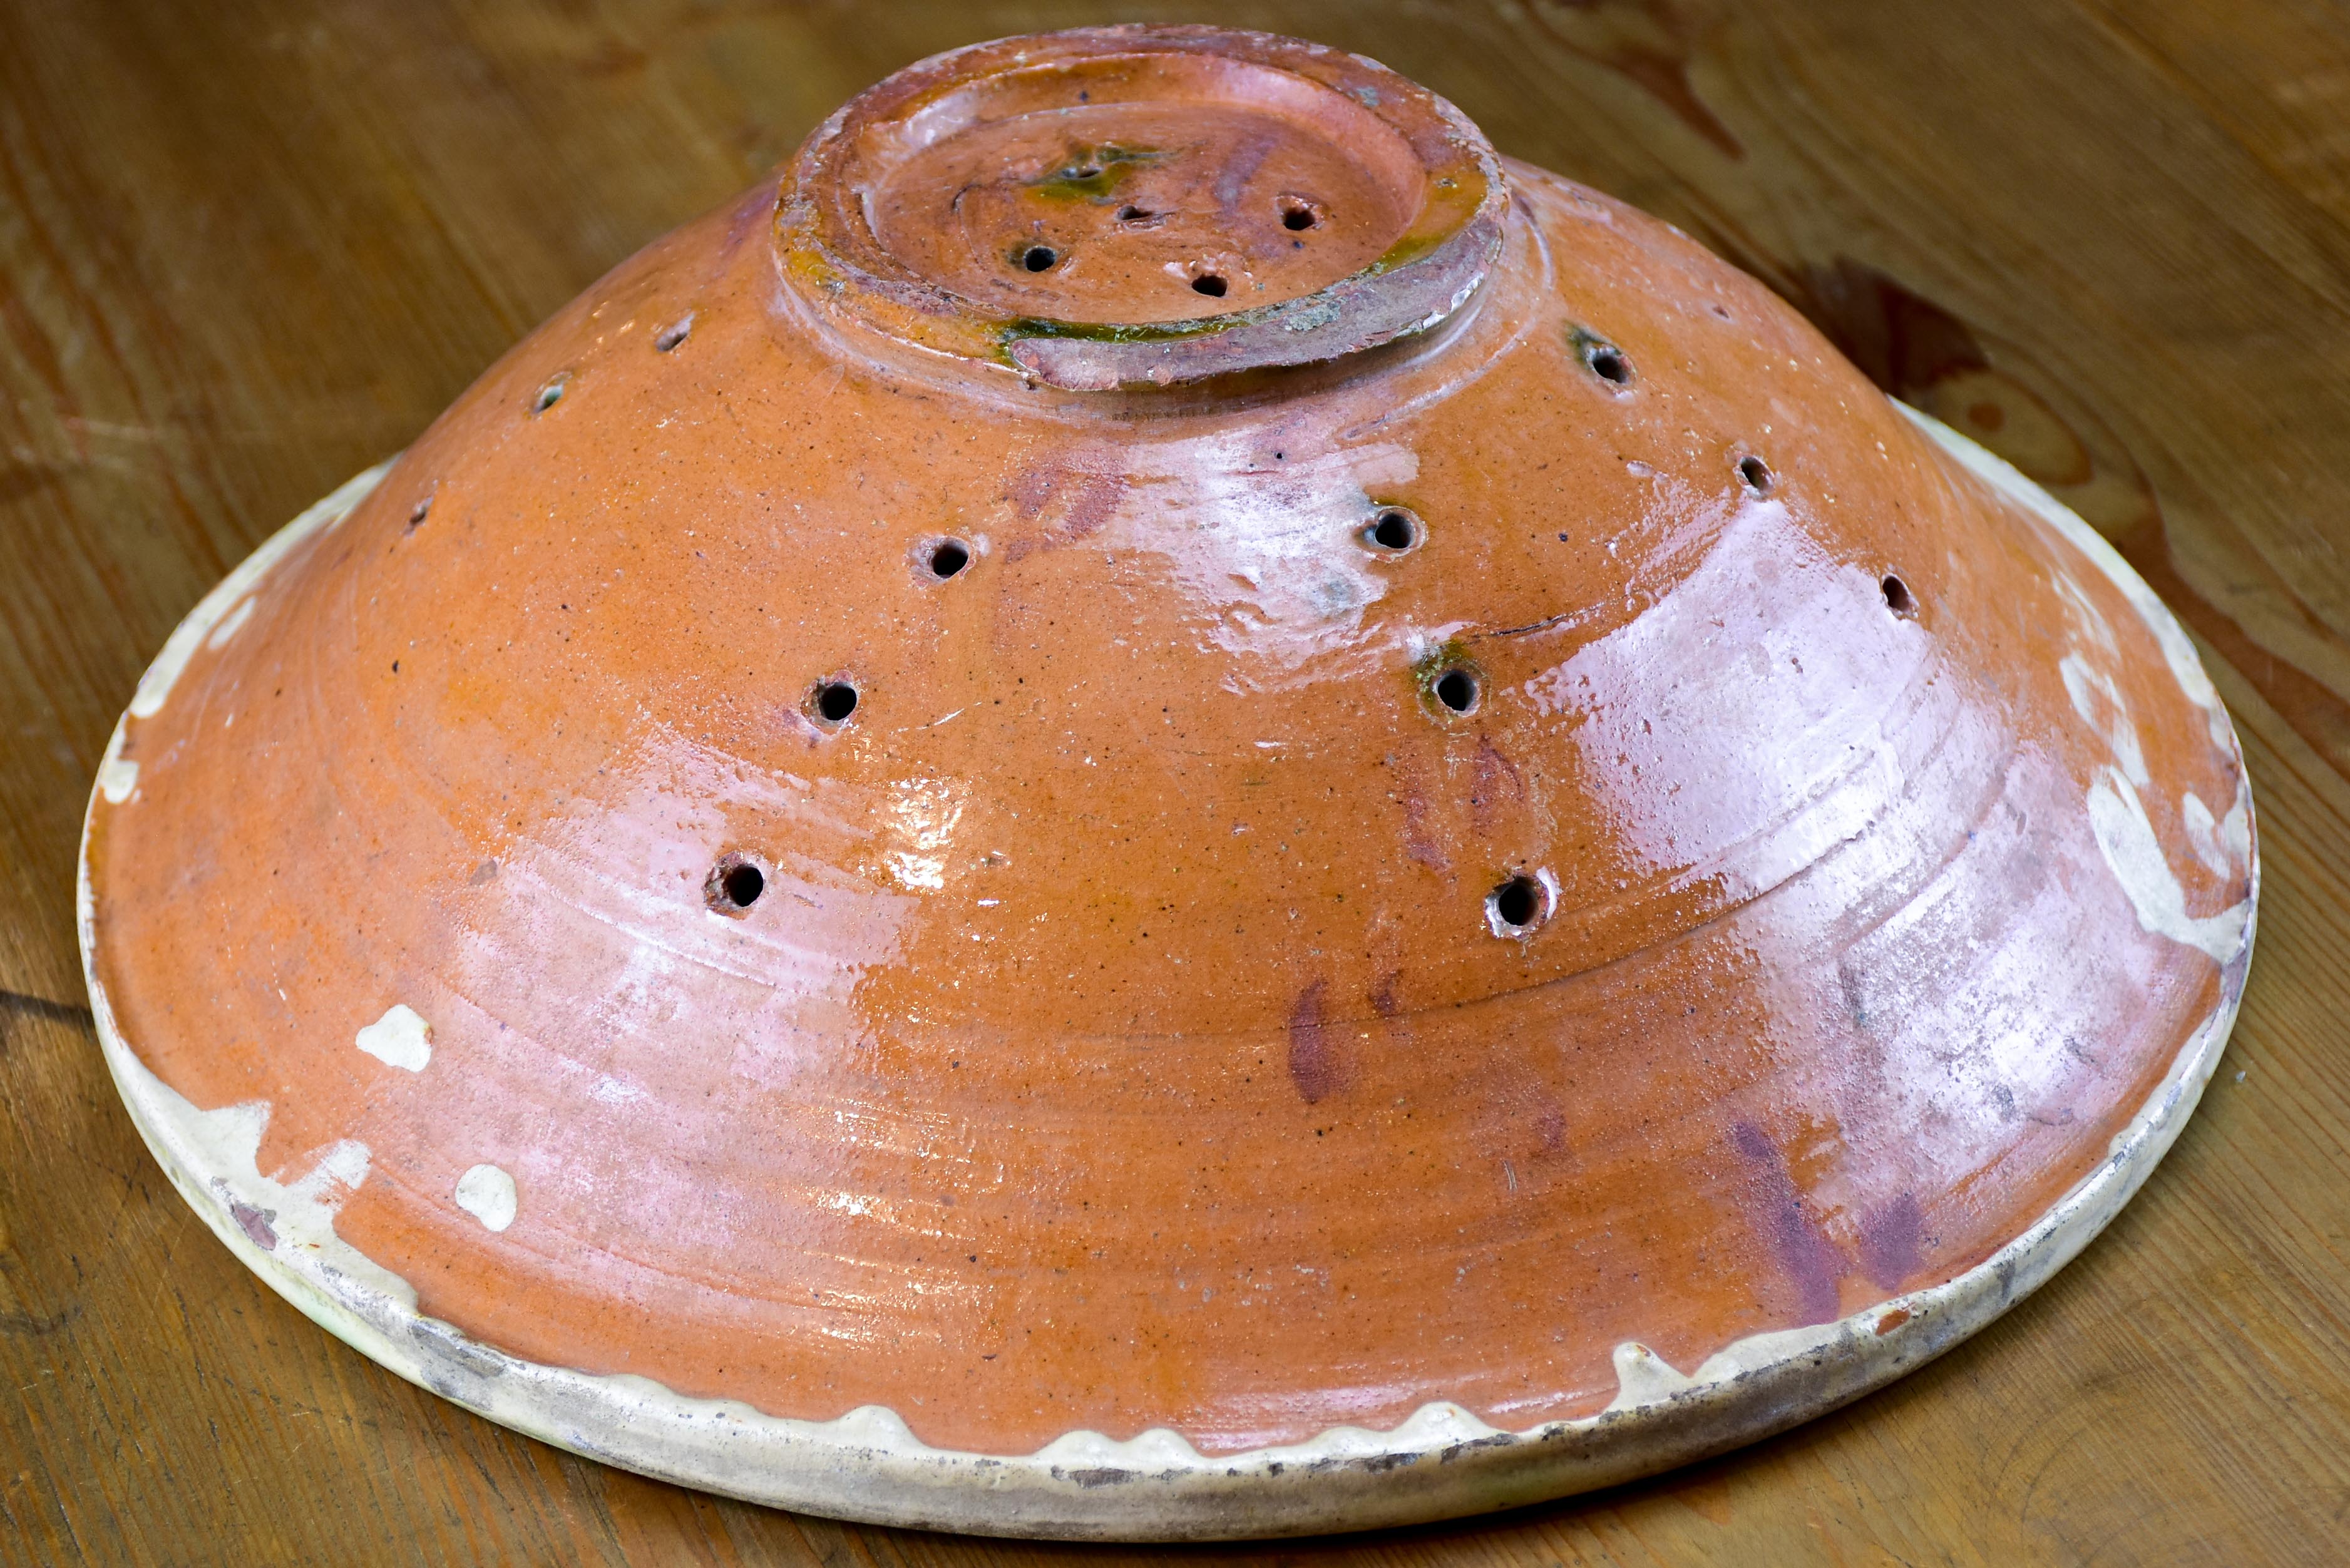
(247, 250)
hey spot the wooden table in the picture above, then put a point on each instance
(247, 250)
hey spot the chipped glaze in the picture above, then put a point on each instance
(1107, 1110)
(488, 1194)
(400, 1038)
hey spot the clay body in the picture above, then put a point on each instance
(875, 888)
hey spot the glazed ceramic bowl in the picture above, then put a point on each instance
(1157, 805)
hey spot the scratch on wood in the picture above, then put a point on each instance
(24, 1004)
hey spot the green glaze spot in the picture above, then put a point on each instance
(1403, 252)
(1586, 343)
(1430, 666)
(1093, 174)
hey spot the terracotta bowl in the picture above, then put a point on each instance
(1156, 804)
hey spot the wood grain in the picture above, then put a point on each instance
(247, 250)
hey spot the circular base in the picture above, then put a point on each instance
(867, 1465)
(1143, 206)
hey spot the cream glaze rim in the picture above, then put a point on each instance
(1440, 1462)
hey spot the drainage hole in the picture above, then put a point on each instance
(422, 510)
(1039, 258)
(1209, 284)
(1133, 214)
(1297, 215)
(947, 558)
(670, 337)
(1609, 364)
(1898, 598)
(734, 884)
(1756, 474)
(1395, 529)
(1517, 904)
(548, 396)
(1457, 689)
(835, 700)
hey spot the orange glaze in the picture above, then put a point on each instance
(1120, 1036)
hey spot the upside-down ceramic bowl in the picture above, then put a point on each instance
(1155, 805)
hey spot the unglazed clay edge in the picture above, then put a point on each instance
(1440, 1462)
